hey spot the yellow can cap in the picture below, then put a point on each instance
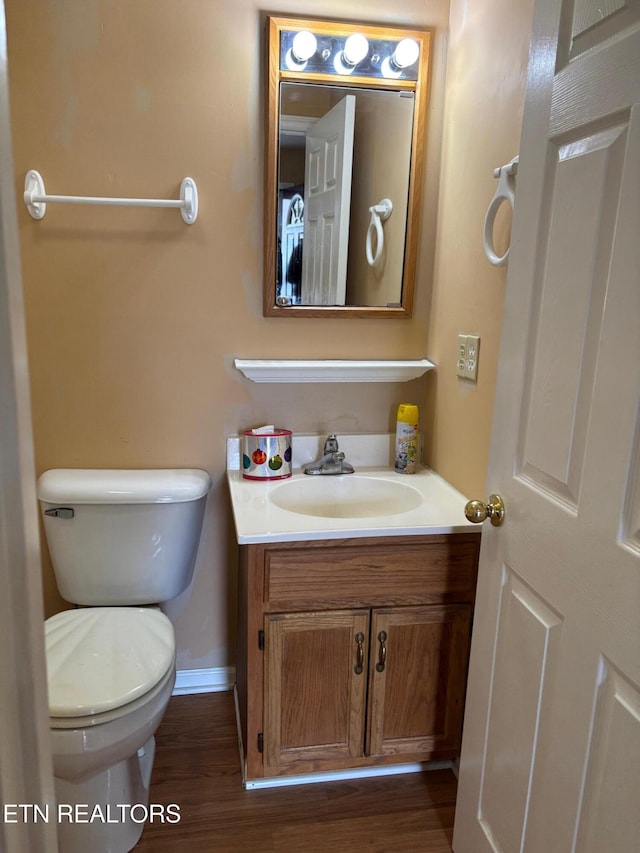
(408, 413)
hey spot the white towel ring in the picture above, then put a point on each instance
(506, 192)
(379, 213)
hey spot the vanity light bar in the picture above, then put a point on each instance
(318, 53)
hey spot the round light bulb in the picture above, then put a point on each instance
(355, 49)
(406, 53)
(304, 45)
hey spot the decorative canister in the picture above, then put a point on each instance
(266, 453)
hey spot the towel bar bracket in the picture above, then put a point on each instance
(33, 188)
(36, 199)
(189, 198)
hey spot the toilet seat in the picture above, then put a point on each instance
(100, 659)
(117, 715)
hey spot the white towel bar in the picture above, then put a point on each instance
(36, 199)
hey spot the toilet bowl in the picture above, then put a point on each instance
(110, 673)
(127, 540)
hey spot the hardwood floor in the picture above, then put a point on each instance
(198, 767)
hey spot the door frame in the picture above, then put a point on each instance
(26, 774)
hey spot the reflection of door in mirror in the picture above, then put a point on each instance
(327, 193)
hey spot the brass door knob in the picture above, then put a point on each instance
(477, 511)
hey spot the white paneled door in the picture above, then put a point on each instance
(551, 747)
(327, 205)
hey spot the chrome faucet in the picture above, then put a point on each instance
(332, 460)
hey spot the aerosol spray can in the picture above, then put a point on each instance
(407, 439)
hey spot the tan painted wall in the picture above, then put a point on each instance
(133, 318)
(484, 95)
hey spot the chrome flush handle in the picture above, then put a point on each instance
(60, 512)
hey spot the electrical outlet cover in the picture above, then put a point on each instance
(473, 350)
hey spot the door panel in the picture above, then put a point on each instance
(525, 659)
(614, 756)
(416, 700)
(630, 521)
(584, 185)
(550, 749)
(595, 21)
(314, 698)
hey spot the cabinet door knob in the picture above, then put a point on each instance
(358, 668)
(382, 655)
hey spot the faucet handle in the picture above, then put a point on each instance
(331, 444)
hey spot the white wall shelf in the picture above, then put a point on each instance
(331, 370)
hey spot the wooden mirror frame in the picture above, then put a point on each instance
(276, 76)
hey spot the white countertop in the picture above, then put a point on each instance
(257, 519)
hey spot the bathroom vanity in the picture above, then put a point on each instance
(353, 630)
(353, 652)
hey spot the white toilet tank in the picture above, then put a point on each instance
(122, 537)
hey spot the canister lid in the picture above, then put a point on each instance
(266, 432)
(99, 658)
(98, 486)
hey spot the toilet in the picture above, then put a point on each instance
(121, 542)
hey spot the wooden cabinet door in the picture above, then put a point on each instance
(315, 687)
(417, 675)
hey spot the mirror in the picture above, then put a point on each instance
(344, 156)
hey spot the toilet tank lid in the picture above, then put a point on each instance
(124, 486)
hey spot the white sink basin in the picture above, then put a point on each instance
(345, 496)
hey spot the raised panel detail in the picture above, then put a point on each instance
(588, 13)
(312, 241)
(314, 698)
(527, 638)
(313, 179)
(613, 777)
(631, 519)
(332, 161)
(329, 248)
(416, 696)
(582, 211)
(595, 21)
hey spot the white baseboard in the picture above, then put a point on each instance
(351, 773)
(327, 775)
(210, 680)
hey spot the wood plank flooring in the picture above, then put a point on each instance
(198, 767)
